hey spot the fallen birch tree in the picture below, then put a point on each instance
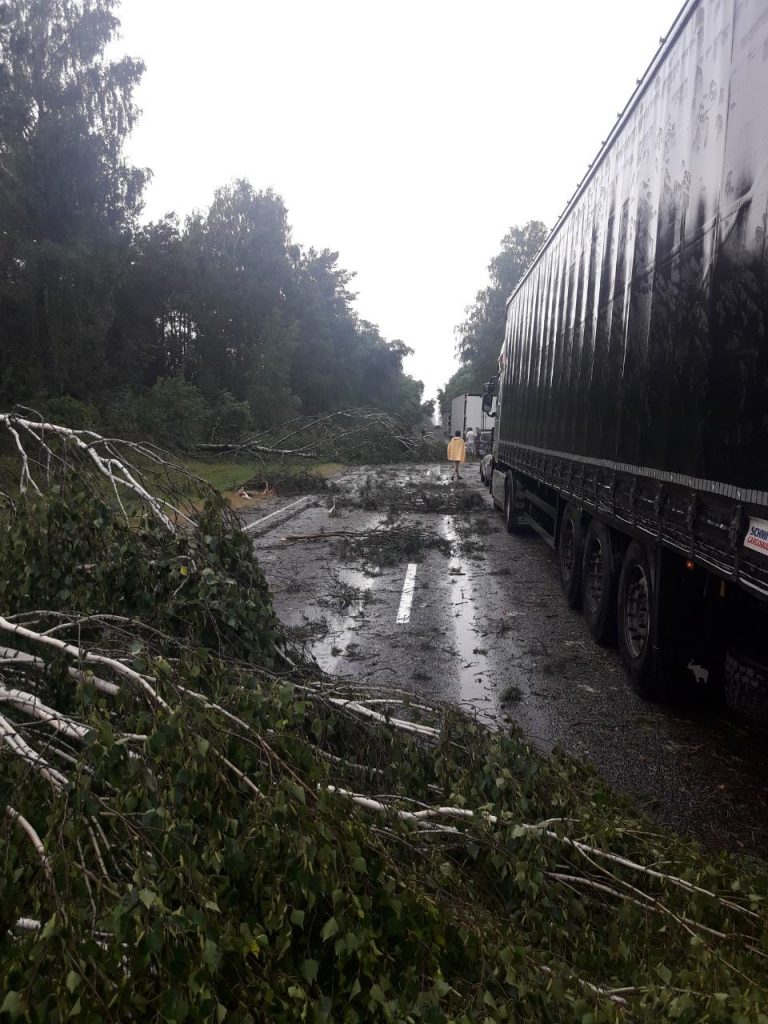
(196, 826)
(349, 436)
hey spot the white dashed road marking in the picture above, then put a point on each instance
(406, 598)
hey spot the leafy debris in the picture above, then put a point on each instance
(196, 826)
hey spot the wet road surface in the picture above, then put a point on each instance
(475, 616)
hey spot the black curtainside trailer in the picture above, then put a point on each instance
(633, 387)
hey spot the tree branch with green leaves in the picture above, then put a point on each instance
(197, 824)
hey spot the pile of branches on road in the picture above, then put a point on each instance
(379, 492)
(195, 827)
(390, 542)
(364, 436)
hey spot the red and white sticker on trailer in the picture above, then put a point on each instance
(757, 536)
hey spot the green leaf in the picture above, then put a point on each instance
(377, 994)
(309, 970)
(72, 981)
(664, 973)
(163, 668)
(147, 897)
(297, 918)
(12, 1005)
(211, 954)
(330, 928)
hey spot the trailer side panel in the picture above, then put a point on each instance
(637, 341)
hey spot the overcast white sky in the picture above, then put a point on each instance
(407, 134)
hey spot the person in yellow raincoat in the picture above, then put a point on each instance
(457, 454)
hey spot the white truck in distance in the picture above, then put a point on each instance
(467, 411)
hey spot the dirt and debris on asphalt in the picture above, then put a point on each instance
(396, 576)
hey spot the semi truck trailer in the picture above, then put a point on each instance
(467, 411)
(632, 426)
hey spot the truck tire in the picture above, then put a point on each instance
(511, 512)
(599, 583)
(570, 550)
(636, 622)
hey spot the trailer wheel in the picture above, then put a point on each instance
(600, 577)
(511, 512)
(635, 608)
(571, 555)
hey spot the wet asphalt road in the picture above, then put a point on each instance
(486, 626)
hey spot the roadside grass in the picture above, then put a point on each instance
(223, 475)
(259, 480)
(226, 475)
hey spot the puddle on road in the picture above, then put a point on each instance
(330, 651)
(437, 476)
(475, 688)
(472, 633)
(344, 625)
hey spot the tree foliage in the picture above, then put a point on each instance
(97, 308)
(481, 335)
(196, 828)
(68, 200)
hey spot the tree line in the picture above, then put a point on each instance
(184, 330)
(480, 335)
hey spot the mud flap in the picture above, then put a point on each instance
(689, 630)
(498, 485)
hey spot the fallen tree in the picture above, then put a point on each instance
(349, 436)
(197, 827)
